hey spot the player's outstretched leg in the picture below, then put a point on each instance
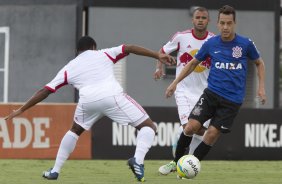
(67, 146)
(50, 175)
(144, 141)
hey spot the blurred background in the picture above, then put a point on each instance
(37, 38)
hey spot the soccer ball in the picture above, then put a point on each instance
(188, 166)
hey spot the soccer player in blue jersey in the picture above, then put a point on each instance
(221, 100)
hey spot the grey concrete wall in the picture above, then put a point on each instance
(153, 27)
(42, 40)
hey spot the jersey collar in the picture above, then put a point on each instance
(206, 35)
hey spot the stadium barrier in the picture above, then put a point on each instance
(37, 133)
(256, 135)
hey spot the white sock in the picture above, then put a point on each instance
(67, 146)
(145, 139)
(196, 140)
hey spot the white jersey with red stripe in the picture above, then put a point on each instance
(187, 44)
(91, 72)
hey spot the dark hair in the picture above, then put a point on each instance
(85, 43)
(227, 10)
(199, 8)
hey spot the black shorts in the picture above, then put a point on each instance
(220, 110)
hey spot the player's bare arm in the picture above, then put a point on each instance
(159, 73)
(261, 77)
(164, 58)
(189, 68)
(36, 98)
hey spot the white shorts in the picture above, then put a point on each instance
(121, 109)
(185, 105)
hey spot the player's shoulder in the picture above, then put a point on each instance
(187, 31)
(103, 50)
(242, 38)
(188, 34)
(213, 38)
(110, 48)
(180, 34)
(82, 55)
(86, 55)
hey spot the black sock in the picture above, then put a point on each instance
(202, 150)
(182, 144)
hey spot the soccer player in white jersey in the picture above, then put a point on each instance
(91, 72)
(188, 91)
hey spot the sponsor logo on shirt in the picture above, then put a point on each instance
(228, 66)
(187, 57)
(237, 52)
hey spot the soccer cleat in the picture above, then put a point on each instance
(50, 175)
(168, 168)
(137, 169)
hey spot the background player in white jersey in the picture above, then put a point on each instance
(188, 91)
(91, 72)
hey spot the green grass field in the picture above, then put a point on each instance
(116, 171)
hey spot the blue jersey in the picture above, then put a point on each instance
(228, 70)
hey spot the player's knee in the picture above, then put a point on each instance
(192, 128)
(148, 123)
(188, 130)
(77, 129)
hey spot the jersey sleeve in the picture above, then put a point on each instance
(253, 53)
(172, 45)
(59, 81)
(203, 53)
(116, 53)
